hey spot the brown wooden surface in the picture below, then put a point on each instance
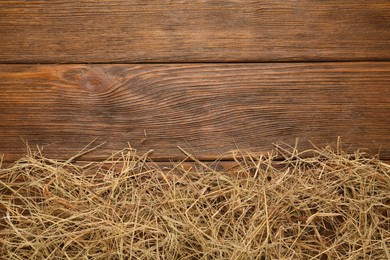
(92, 31)
(208, 109)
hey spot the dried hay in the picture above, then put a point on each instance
(317, 204)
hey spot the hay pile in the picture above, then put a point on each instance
(288, 205)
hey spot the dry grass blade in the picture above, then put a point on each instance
(330, 205)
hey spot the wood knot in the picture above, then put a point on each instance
(95, 80)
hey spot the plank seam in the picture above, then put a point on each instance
(198, 62)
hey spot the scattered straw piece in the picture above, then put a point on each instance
(287, 205)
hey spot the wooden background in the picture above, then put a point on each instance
(209, 76)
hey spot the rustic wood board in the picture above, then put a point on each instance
(92, 31)
(208, 109)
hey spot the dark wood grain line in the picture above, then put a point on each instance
(208, 109)
(92, 31)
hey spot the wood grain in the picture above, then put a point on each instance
(92, 31)
(207, 109)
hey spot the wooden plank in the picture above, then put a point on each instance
(92, 31)
(208, 109)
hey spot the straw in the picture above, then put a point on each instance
(289, 204)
